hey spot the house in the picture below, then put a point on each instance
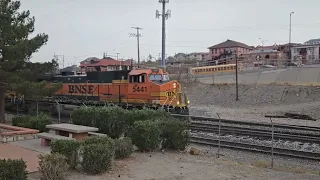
(307, 53)
(312, 41)
(198, 56)
(106, 64)
(88, 60)
(262, 56)
(227, 50)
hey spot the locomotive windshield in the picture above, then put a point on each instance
(155, 77)
(158, 77)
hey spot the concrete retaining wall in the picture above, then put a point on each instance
(292, 76)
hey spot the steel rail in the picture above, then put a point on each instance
(301, 137)
(255, 148)
(262, 124)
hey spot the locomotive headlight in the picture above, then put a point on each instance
(188, 102)
(174, 85)
(178, 102)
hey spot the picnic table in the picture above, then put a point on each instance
(71, 130)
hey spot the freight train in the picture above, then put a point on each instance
(127, 88)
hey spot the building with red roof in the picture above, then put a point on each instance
(105, 64)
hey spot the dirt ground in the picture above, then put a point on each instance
(255, 101)
(183, 166)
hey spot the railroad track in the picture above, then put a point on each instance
(260, 133)
(268, 125)
(255, 148)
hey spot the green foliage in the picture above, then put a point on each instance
(34, 122)
(68, 148)
(143, 115)
(124, 148)
(22, 121)
(175, 134)
(109, 120)
(17, 73)
(100, 140)
(39, 122)
(13, 169)
(53, 166)
(97, 158)
(146, 135)
(84, 116)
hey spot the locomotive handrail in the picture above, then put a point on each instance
(172, 100)
(164, 102)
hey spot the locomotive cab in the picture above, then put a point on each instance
(153, 86)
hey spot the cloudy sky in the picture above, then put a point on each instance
(79, 29)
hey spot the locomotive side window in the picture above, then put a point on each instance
(137, 78)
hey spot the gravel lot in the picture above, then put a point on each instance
(255, 101)
(178, 166)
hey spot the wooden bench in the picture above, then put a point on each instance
(46, 138)
(16, 132)
(96, 134)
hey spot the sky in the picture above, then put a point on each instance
(79, 29)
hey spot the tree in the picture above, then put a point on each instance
(17, 73)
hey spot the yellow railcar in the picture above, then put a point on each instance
(213, 69)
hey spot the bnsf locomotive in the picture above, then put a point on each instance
(128, 88)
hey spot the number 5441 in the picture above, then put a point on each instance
(139, 89)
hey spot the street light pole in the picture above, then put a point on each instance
(290, 37)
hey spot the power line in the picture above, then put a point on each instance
(165, 15)
(138, 42)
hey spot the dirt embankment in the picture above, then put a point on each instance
(253, 99)
(251, 95)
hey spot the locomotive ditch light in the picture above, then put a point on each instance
(178, 102)
(174, 85)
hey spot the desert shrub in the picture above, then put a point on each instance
(13, 169)
(123, 147)
(110, 120)
(39, 122)
(53, 166)
(99, 140)
(146, 135)
(68, 148)
(143, 115)
(34, 122)
(97, 158)
(175, 134)
(22, 121)
(84, 116)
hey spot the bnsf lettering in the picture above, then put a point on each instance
(83, 89)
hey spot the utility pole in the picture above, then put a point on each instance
(56, 57)
(262, 43)
(165, 15)
(138, 35)
(63, 61)
(237, 91)
(118, 60)
(290, 37)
